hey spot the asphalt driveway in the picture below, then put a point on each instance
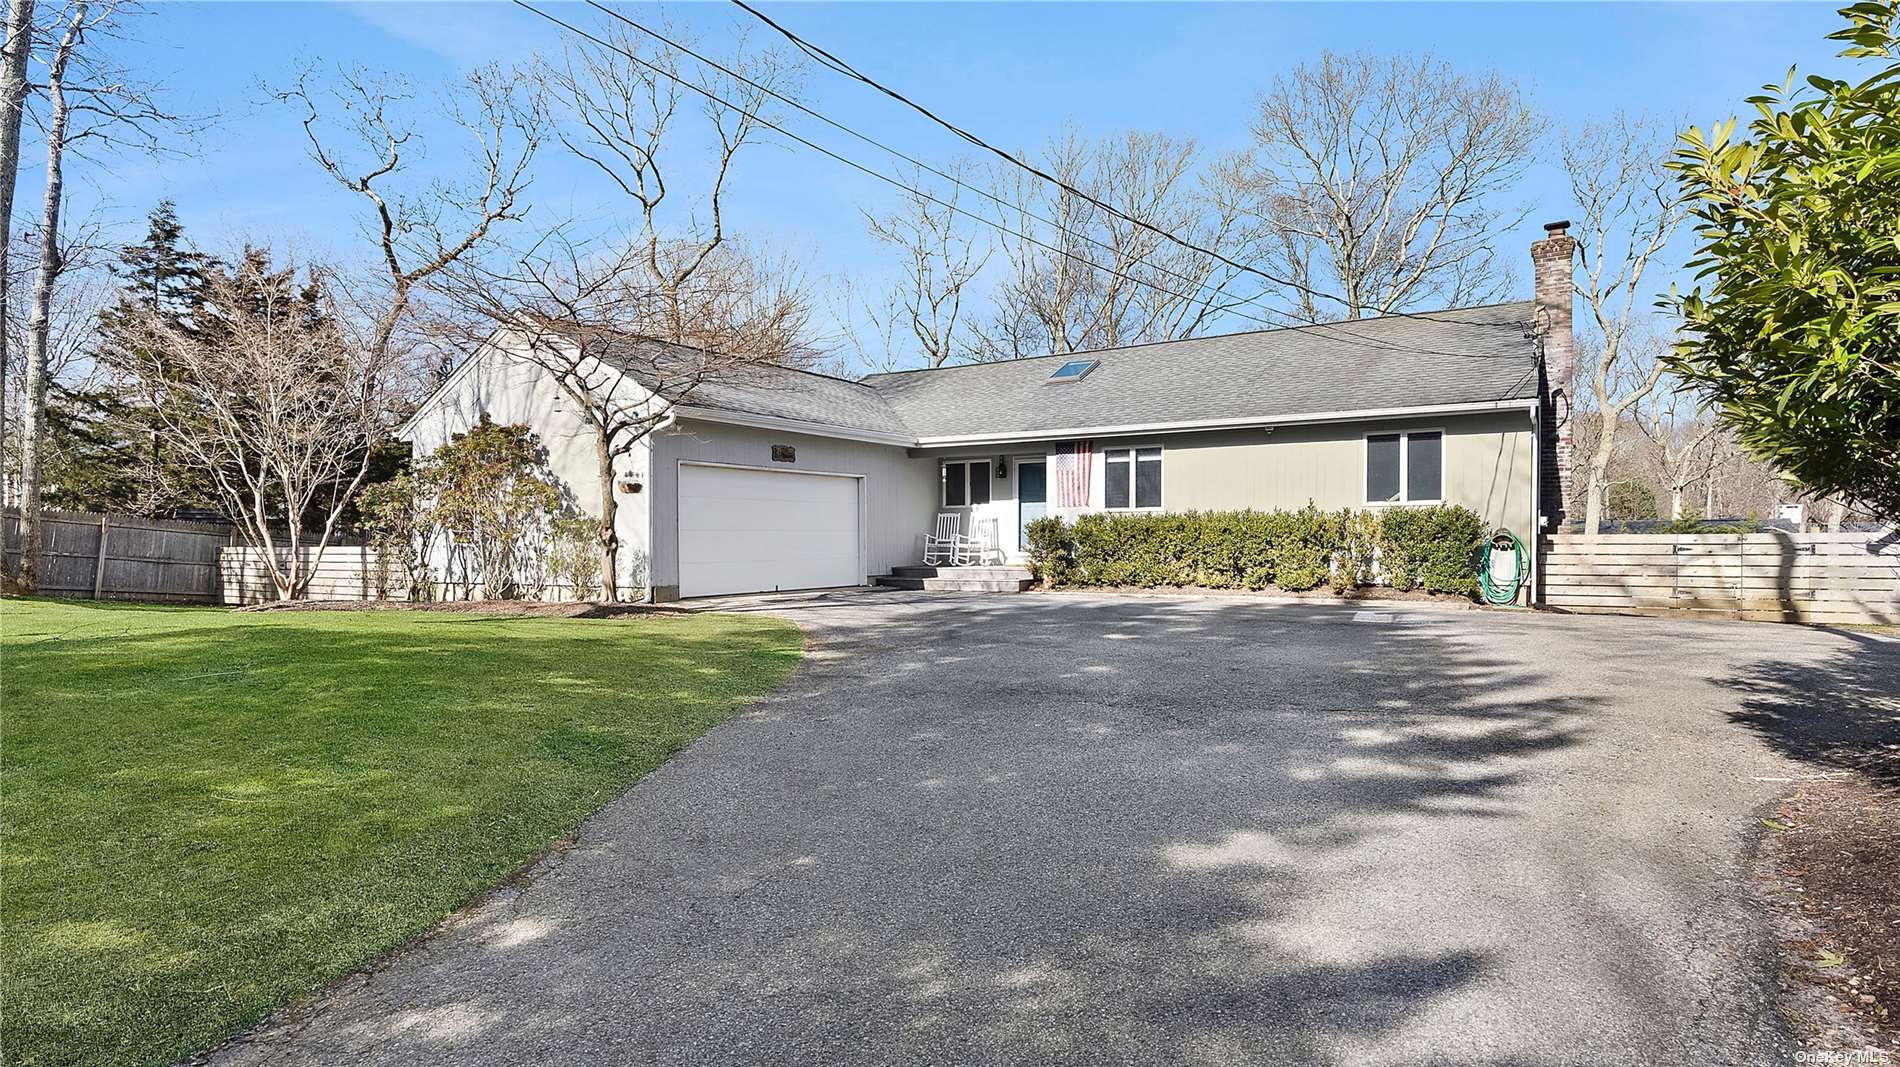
(1071, 829)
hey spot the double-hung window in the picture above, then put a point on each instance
(1405, 468)
(966, 482)
(1131, 478)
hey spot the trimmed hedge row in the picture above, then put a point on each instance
(1433, 548)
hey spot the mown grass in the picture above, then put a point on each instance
(209, 814)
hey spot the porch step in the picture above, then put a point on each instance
(959, 579)
(988, 574)
(957, 585)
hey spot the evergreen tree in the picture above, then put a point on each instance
(105, 452)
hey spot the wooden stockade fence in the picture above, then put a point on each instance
(125, 557)
(1787, 577)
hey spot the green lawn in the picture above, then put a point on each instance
(208, 814)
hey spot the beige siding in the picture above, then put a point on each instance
(900, 492)
(1487, 467)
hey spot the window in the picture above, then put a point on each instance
(1072, 371)
(1131, 477)
(1405, 468)
(966, 482)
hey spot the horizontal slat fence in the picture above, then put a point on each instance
(124, 557)
(1820, 577)
(343, 572)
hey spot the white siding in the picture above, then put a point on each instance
(744, 530)
(900, 492)
(511, 391)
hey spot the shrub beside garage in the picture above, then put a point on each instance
(1435, 549)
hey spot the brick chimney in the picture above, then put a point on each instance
(1550, 262)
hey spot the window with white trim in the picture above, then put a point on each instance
(1405, 468)
(966, 482)
(1131, 478)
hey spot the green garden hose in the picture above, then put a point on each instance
(1495, 591)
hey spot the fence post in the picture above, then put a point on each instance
(99, 566)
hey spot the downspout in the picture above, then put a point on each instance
(1537, 502)
(666, 422)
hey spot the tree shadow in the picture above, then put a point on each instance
(1029, 830)
(1842, 712)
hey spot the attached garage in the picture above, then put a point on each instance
(748, 530)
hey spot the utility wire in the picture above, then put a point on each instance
(921, 165)
(855, 165)
(827, 59)
(924, 194)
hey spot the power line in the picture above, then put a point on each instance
(827, 59)
(920, 164)
(855, 165)
(887, 179)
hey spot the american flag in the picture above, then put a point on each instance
(1071, 471)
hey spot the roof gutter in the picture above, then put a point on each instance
(1200, 425)
(775, 422)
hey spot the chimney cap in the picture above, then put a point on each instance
(1557, 228)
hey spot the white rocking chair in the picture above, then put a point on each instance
(947, 544)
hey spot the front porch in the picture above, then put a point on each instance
(996, 495)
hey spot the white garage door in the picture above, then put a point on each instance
(749, 531)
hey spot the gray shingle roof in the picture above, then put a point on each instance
(771, 391)
(1459, 356)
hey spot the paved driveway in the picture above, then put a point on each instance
(1068, 829)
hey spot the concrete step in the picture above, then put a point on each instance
(987, 573)
(957, 585)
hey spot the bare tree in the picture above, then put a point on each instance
(358, 134)
(1630, 211)
(939, 259)
(13, 91)
(620, 110)
(1093, 279)
(1682, 439)
(39, 318)
(420, 231)
(1374, 182)
(270, 393)
(587, 317)
(92, 107)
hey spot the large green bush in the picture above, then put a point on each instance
(1051, 553)
(1434, 548)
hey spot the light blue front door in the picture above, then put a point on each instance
(1032, 497)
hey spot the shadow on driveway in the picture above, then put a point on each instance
(1079, 830)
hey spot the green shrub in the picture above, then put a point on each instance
(1434, 548)
(574, 554)
(1356, 552)
(1051, 551)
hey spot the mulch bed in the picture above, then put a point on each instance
(1830, 869)
(538, 609)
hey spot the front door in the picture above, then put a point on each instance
(1032, 497)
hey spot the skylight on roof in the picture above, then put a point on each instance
(1073, 371)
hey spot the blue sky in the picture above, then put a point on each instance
(1012, 72)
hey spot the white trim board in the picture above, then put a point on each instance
(1135, 429)
(774, 422)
